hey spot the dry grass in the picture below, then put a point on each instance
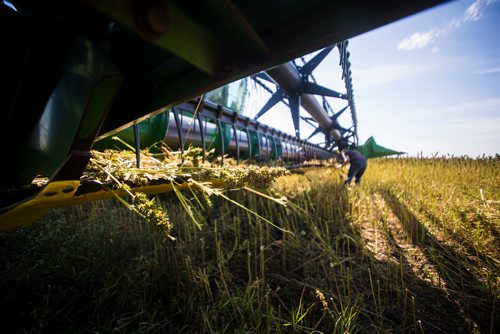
(414, 249)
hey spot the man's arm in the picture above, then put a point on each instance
(345, 158)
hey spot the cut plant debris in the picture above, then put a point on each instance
(118, 173)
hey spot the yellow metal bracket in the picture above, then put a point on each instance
(62, 193)
(50, 197)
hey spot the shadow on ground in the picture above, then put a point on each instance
(472, 301)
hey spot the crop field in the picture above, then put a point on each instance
(414, 249)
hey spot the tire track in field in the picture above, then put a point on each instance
(396, 245)
(472, 301)
(387, 240)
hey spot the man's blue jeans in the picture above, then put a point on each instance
(356, 170)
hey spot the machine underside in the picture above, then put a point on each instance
(77, 71)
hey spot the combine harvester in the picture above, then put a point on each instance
(78, 71)
(217, 122)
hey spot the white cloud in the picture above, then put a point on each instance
(473, 12)
(417, 40)
(491, 105)
(491, 70)
(470, 127)
(479, 128)
(420, 39)
(384, 74)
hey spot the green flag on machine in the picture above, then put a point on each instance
(370, 149)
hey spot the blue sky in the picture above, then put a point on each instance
(429, 83)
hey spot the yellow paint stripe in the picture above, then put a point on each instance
(50, 197)
(62, 193)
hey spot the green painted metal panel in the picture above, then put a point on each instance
(73, 112)
(226, 137)
(279, 148)
(101, 98)
(232, 96)
(151, 132)
(370, 149)
(245, 152)
(165, 24)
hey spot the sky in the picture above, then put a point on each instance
(427, 84)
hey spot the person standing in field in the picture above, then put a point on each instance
(357, 166)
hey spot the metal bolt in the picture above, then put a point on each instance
(151, 18)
